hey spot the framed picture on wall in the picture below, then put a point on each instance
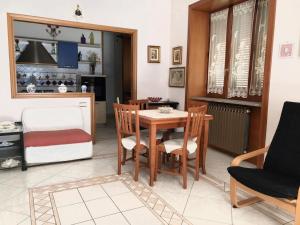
(177, 55)
(153, 54)
(177, 77)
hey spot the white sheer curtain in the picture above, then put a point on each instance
(260, 42)
(216, 64)
(241, 49)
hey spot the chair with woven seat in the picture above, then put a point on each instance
(278, 181)
(181, 147)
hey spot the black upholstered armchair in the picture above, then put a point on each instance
(279, 180)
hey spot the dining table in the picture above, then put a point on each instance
(155, 120)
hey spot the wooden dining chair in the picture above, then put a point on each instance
(142, 103)
(129, 136)
(181, 147)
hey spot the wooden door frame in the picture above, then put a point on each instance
(11, 17)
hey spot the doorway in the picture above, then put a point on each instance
(117, 67)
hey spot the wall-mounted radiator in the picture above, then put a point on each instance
(229, 128)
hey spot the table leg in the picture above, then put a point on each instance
(152, 152)
(204, 145)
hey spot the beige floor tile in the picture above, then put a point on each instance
(10, 218)
(116, 219)
(73, 214)
(8, 192)
(90, 222)
(68, 197)
(196, 221)
(115, 188)
(209, 209)
(77, 171)
(204, 188)
(127, 201)
(141, 216)
(92, 192)
(101, 207)
(26, 222)
(250, 215)
(56, 179)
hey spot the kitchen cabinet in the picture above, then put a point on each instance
(100, 112)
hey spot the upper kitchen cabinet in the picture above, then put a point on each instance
(67, 54)
(48, 56)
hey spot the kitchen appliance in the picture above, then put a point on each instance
(96, 85)
(35, 53)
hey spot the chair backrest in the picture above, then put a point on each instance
(194, 123)
(284, 152)
(127, 120)
(142, 103)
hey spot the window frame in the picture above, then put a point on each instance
(224, 95)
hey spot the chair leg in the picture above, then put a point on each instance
(297, 215)
(157, 164)
(233, 193)
(197, 163)
(180, 163)
(184, 171)
(234, 200)
(119, 158)
(173, 158)
(124, 156)
(148, 158)
(137, 163)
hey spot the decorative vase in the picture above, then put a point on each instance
(62, 88)
(92, 38)
(31, 88)
(82, 39)
(83, 88)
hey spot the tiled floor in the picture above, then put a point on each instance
(205, 202)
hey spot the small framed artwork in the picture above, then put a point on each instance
(177, 55)
(286, 50)
(153, 54)
(177, 77)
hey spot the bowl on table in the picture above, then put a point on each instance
(154, 99)
(165, 109)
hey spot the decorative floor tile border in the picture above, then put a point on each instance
(43, 210)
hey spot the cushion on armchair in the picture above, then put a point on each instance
(266, 182)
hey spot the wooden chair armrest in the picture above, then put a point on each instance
(237, 161)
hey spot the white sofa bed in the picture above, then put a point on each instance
(55, 134)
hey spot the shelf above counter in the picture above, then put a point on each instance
(227, 101)
(50, 41)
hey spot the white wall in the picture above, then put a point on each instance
(179, 29)
(152, 19)
(285, 74)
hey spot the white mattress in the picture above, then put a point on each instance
(58, 153)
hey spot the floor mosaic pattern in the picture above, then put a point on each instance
(101, 200)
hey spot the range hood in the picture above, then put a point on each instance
(35, 53)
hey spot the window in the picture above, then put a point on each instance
(218, 33)
(243, 54)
